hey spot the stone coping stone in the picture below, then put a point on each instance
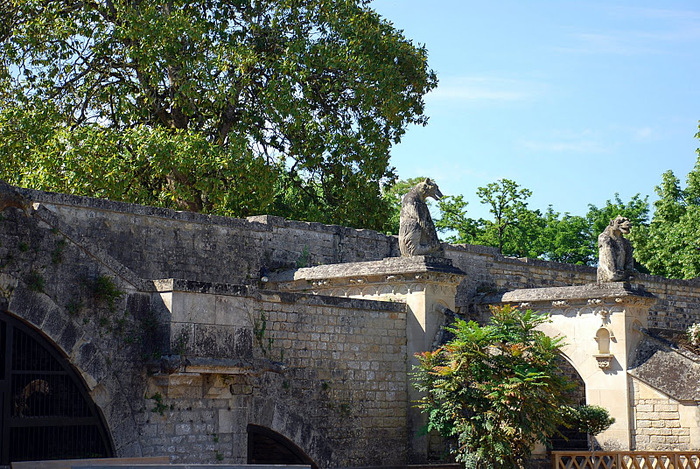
(580, 292)
(300, 297)
(387, 266)
(105, 462)
(662, 365)
(198, 466)
(262, 223)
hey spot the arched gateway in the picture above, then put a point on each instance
(45, 410)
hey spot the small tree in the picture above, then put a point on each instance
(497, 388)
(590, 419)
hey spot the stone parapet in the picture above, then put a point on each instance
(602, 325)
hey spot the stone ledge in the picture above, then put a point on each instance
(609, 290)
(387, 266)
(171, 365)
(274, 296)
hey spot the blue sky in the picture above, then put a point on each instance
(574, 100)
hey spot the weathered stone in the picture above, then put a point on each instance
(327, 372)
(615, 258)
(417, 235)
(674, 372)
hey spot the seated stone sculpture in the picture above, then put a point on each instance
(615, 259)
(417, 235)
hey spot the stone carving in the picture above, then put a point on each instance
(417, 235)
(9, 197)
(615, 260)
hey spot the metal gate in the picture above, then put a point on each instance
(45, 410)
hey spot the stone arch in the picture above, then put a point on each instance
(571, 439)
(578, 395)
(276, 417)
(47, 412)
(265, 446)
(67, 338)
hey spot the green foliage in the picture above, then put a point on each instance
(104, 290)
(497, 388)
(514, 229)
(590, 419)
(57, 253)
(454, 218)
(159, 406)
(259, 331)
(233, 108)
(637, 210)
(512, 221)
(568, 238)
(303, 260)
(519, 231)
(670, 246)
(74, 307)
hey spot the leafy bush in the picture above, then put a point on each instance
(590, 419)
(496, 389)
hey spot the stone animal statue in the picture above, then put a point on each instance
(9, 197)
(417, 235)
(615, 260)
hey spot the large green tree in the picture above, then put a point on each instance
(513, 224)
(670, 245)
(231, 107)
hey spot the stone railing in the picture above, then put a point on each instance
(625, 459)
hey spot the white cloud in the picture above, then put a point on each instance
(648, 31)
(484, 89)
(585, 141)
(643, 134)
(623, 43)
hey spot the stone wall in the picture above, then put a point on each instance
(661, 423)
(159, 243)
(327, 373)
(167, 244)
(678, 304)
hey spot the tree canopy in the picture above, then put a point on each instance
(517, 230)
(275, 106)
(670, 245)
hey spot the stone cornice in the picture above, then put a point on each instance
(390, 269)
(591, 294)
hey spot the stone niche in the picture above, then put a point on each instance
(602, 325)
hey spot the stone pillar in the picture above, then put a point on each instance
(601, 326)
(427, 285)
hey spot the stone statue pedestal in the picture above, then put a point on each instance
(601, 324)
(427, 285)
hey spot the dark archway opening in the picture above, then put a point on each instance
(266, 446)
(45, 409)
(571, 439)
